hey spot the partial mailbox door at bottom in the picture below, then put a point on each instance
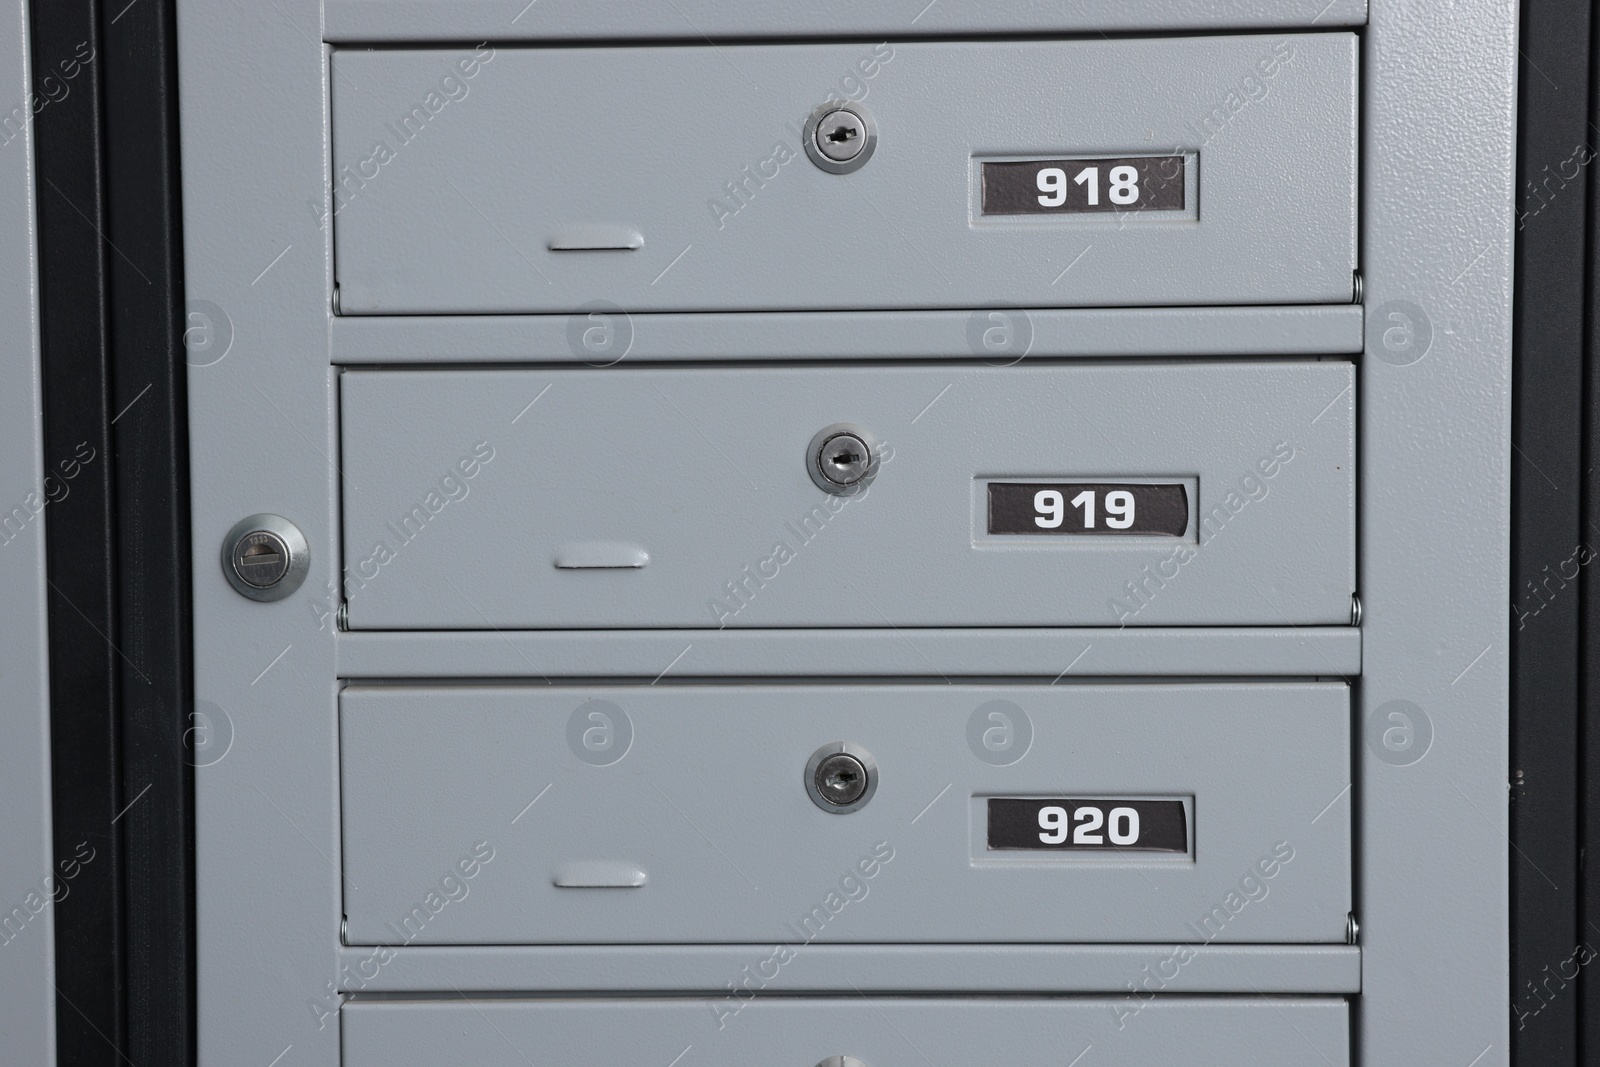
(636, 497)
(725, 1031)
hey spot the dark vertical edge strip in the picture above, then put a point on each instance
(68, 74)
(1589, 648)
(1547, 416)
(151, 548)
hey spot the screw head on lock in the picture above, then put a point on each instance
(841, 777)
(265, 557)
(840, 137)
(842, 458)
(261, 559)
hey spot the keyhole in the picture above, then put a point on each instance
(844, 459)
(841, 134)
(260, 554)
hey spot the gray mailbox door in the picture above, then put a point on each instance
(1209, 170)
(1190, 811)
(1218, 493)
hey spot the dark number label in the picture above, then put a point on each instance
(1088, 825)
(1088, 508)
(1056, 186)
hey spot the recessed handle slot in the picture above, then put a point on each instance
(600, 555)
(598, 874)
(597, 238)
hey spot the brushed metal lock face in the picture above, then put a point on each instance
(840, 138)
(842, 458)
(261, 559)
(841, 777)
(841, 135)
(265, 557)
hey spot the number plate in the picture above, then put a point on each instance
(1088, 825)
(1088, 508)
(1071, 186)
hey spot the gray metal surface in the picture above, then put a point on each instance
(261, 431)
(706, 471)
(1254, 1032)
(30, 884)
(944, 969)
(423, 20)
(860, 335)
(703, 789)
(1437, 222)
(453, 212)
(1048, 654)
(1437, 236)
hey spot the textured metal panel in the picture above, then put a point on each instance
(29, 880)
(1437, 237)
(1011, 652)
(261, 420)
(452, 211)
(945, 969)
(605, 336)
(424, 20)
(706, 470)
(883, 1033)
(699, 786)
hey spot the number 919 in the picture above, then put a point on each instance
(1051, 509)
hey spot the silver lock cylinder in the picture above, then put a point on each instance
(842, 458)
(841, 777)
(840, 137)
(265, 557)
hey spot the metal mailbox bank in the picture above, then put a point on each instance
(840, 536)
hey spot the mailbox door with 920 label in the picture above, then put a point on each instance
(1139, 802)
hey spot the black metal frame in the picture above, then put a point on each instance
(1555, 1010)
(111, 326)
(112, 320)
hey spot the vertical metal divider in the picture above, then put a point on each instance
(79, 521)
(1588, 656)
(150, 542)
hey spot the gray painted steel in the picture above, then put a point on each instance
(1437, 156)
(29, 881)
(944, 969)
(1035, 332)
(702, 791)
(422, 20)
(705, 470)
(261, 431)
(450, 207)
(1438, 236)
(1049, 654)
(882, 1033)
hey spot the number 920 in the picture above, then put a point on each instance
(1088, 825)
